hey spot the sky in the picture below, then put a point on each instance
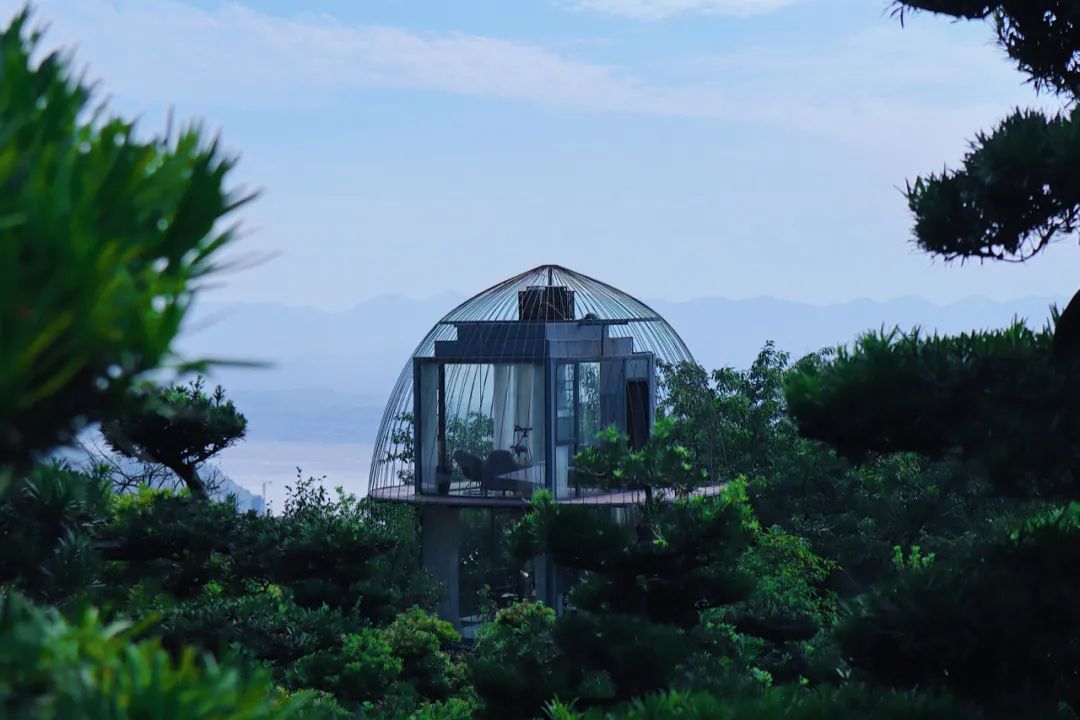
(674, 148)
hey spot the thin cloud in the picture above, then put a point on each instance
(164, 49)
(664, 9)
(159, 52)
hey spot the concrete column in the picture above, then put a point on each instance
(544, 572)
(441, 539)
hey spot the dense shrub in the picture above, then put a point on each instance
(104, 233)
(517, 665)
(47, 521)
(998, 625)
(853, 701)
(52, 668)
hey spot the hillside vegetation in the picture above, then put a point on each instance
(897, 534)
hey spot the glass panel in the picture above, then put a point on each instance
(486, 566)
(588, 411)
(613, 394)
(564, 403)
(562, 471)
(493, 430)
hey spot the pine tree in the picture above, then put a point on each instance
(179, 427)
(998, 624)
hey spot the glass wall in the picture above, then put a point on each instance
(590, 396)
(588, 402)
(481, 429)
(489, 576)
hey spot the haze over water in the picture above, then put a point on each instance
(252, 463)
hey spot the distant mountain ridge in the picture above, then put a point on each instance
(333, 370)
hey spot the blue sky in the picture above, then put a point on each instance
(676, 148)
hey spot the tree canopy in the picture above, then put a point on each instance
(1019, 187)
(996, 622)
(180, 427)
(106, 235)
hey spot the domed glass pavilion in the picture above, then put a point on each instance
(506, 388)
(495, 403)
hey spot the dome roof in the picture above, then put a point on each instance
(590, 300)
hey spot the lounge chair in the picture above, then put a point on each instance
(500, 462)
(472, 467)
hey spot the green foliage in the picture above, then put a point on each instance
(422, 643)
(663, 462)
(47, 518)
(50, 668)
(361, 668)
(988, 397)
(489, 575)
(997, 625)
(457, 708)
(180, 427)
(688, 559)
(735, 421)
(167, 544)
(347, 553)
(852, 515)
(105, 236)
(790, 579)
(737, 595)
(473, 433)
(993, 617)
(620, 655)
(857, 515)
(389, 669)
(304, 595)
(914, 560)
(106, 239)
(400, 450)
(350, 555)
(263, 626)
(1017, 189)
(853, 701)
(638, 595)
(1041, 37)
(516, 665)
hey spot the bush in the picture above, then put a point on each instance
(852, 701)
(516, 665)
(50, 668)
(998, 626)
(47, 518)
(361, 668)
(423, 644)
(264, 626)
(104, 235)
(349, 555)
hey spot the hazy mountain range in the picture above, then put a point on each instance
(332, 371)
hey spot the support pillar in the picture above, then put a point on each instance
(441, 542)
(547, 590)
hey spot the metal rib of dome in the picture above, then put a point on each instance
(391, 465)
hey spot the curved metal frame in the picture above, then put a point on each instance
(592, 298)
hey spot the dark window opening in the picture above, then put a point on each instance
(637, 412)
